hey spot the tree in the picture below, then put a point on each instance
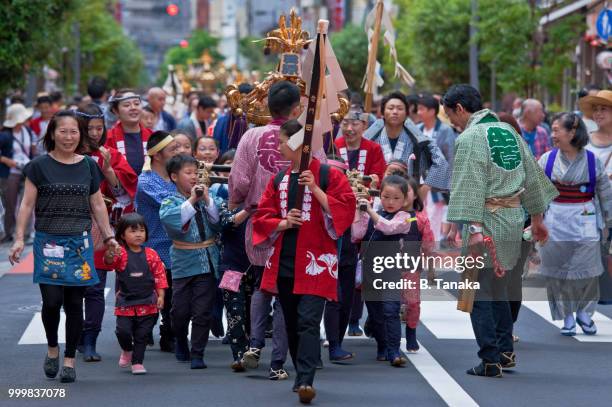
(105, 50)
(253, 50)
(27, 27)
(351, 48)
(432, 41)
(198, 42)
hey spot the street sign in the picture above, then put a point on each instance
(604, 24)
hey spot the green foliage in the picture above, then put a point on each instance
(351, 48)
(432, 41)
(254, 53)
(105, 50)
(433, 44)
(198, 42)
(27, 27)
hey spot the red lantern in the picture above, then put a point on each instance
(184, 43)
(172, 9)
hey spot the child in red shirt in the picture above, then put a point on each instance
(140, 291)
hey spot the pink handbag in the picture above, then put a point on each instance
(231, 280)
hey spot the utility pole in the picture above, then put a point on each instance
(474, 46)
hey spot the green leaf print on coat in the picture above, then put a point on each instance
(504, 148)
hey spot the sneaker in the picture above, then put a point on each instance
(68, 375)
(198, 363)
(508, 360)
(355, 330)
(486, 370)
(338, 354)
(588, 329)
(138, 369)
(125, 359)
(237, 366)
(250, 359)
(51, 366)
(571, 331)
(279, 374)
(306, 394)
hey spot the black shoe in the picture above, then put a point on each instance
(68, 375)
(508, 360)
(51, 366)
(486, 370)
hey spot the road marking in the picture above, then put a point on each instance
(443, 319)
(438, 378)
(604, 324)
(35, 332)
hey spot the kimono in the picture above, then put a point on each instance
(575, 221)
(492, 160)
(116, 139)
(370, 159)
(316, 254)
(432, 167)
(122, 197)
(156, 267)
(178, 218)
(151, 191)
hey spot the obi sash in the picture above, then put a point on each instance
(578, 193)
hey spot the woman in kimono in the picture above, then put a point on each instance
(575, 220)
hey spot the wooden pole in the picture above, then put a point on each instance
(372, 56)
(315, 98)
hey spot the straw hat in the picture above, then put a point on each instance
(603, 97)
(16, 114)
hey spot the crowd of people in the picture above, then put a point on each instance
(111, 184)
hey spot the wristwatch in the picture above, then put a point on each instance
(473, 229)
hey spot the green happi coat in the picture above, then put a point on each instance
(493, 161)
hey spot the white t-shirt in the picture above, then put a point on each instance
(604, 154)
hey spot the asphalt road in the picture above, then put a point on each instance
(552, 370)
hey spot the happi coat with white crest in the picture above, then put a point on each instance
(370, 158)
(316, 254)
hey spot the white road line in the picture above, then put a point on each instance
(35, 332)
(444, 320)
(438, 378)
(604, 324)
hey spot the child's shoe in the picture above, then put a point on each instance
(125, 359)
(138, 369)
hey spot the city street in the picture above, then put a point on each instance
(552, 369)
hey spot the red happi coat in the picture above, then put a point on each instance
(128, 180)
(116, 138)
(370, 152)
(316, 255)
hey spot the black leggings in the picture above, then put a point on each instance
(54, 296)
